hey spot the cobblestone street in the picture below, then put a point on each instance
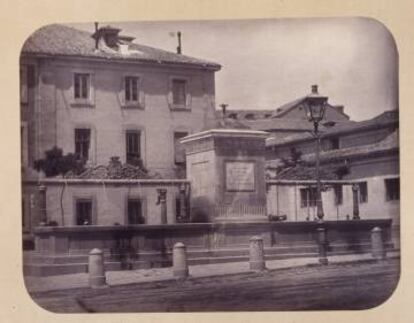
(358, 285)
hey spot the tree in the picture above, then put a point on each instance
(55, 163)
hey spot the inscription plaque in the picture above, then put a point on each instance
(240, 176)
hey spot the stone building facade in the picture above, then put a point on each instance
(103, 95)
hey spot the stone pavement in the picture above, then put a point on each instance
(62, 282)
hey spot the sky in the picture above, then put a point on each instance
(269, 62)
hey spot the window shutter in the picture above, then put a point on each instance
(141, 94)
(188, 100)
(170, 98)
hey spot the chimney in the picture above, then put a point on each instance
(339, 108)
(223, 109)
(96, 31)
(179, 42)
(106, 37)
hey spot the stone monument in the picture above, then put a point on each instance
(226, 168)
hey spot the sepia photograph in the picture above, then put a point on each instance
(210, 165)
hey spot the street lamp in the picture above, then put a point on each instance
(315, 107)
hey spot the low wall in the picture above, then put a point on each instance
(109, 200)
(159, 239)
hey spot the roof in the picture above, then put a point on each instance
(285, 108)
(329, 171)
(279, 124)
(389, 143)
(385, 119)
(300, 172)
(224, 123)
(242, 113)
(60, 40)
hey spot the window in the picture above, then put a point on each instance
(363, 192)
(135, 215)
(82, 143)
(392, 188)
(83, 212)
(250, 116)
(338, 194)
(308, 197)
(131, 89)
(81, 85)
(334, 143)
(179, 151)
(133, 146)
(179, 92)
(182, 215)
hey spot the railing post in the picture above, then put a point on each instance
(96, 269)
(162, 201)
(377, 244)
(355, 196)
(180, 266)
(42, 207)
(183, 203)
(322, 246)
(257, 261)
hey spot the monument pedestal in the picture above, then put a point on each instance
(226, 168)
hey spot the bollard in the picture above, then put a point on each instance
(377, 244)
(180, 266)
(322, 245)
(96, 269)
(257, 261)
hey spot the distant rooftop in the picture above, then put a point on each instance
(387, 118)
(64, 41)
(329, 171)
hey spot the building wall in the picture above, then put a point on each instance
(109, 202)
(375, 208)
(58, 115)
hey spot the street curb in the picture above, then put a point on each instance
(243, 273)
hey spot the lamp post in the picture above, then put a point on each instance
(315, 108)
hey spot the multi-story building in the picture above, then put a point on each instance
(103, 95)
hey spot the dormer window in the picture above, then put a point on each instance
(250, 116)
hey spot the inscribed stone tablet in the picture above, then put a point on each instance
(240, 176)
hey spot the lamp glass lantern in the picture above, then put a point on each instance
(315, 105)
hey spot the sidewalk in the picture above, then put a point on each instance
(113, 278)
